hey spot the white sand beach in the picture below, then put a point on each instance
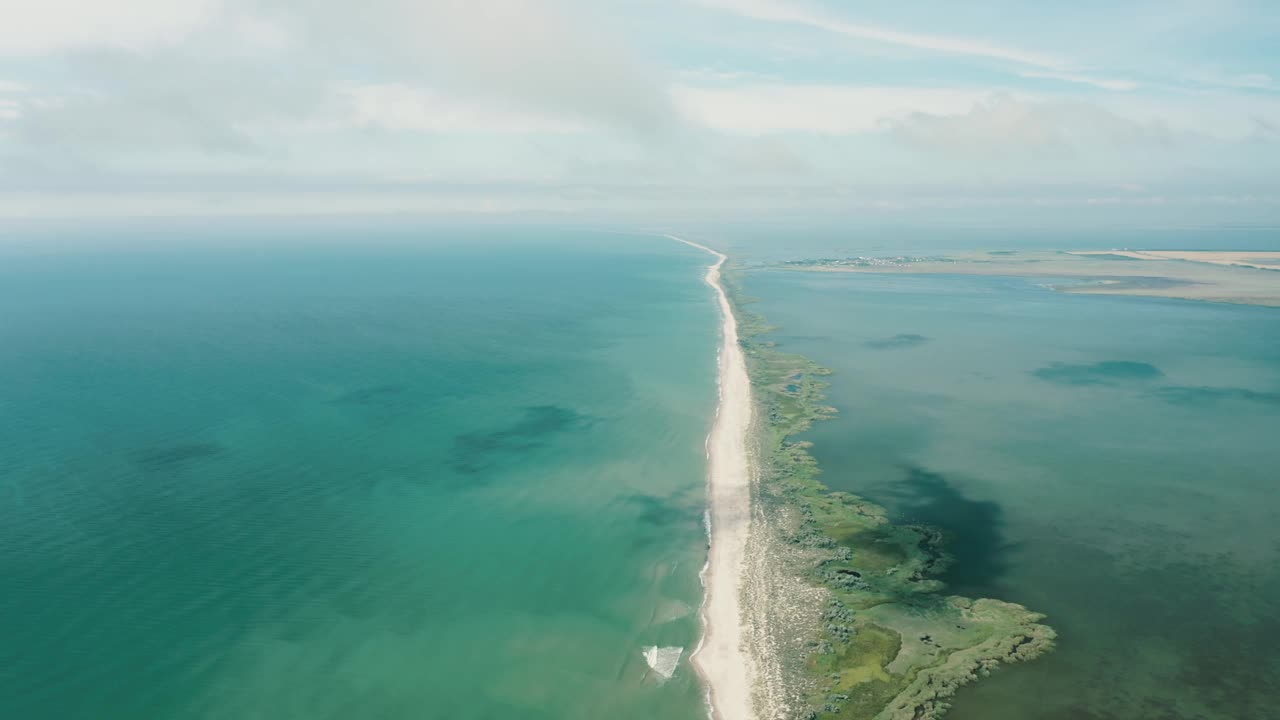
(722, 659)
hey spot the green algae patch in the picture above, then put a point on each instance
(891, 644)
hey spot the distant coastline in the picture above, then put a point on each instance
(1246, 278)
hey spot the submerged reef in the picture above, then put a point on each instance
(884, 640)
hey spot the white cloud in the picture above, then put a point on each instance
(31, 27)
(547, 62)
(1241, 81)
(1222, 115)
(1045, 65)
(156, 103)
(775, 11)
(1104, 83)
(405, 108)
(400, 84)
(1258, 81)
(979, 114)
(556, 57)
(827, 109)
(1003, 123)
(259, 32)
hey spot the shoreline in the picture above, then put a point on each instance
(720, 659)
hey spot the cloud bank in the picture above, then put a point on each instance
(571, 106)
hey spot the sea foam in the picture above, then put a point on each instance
(663, 660)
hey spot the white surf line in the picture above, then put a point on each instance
(720, 659)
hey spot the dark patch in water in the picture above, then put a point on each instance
(973, 529)
(659, 516)
(379, 405)
(378, 394)
(1099, 373)
(902, 340)
(1002, 252)
(660, 511)
(175, 456)
(1206, 395)
(476, 452)
(778, 339)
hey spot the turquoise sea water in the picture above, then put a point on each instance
(1109, 461)
(436, 475)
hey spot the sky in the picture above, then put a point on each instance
(637, 107)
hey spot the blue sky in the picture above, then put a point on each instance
(679, 107)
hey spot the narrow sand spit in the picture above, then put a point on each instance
(721, 659)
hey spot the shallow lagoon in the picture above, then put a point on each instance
(1108, 461)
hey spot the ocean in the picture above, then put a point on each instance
(437, 473)
(1108, 461)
